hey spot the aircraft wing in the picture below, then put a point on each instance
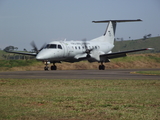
(122, 54)
(23, 53)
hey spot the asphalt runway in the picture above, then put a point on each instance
(109, 74)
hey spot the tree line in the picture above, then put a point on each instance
(12, 56)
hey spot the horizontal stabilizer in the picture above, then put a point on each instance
(104, 21)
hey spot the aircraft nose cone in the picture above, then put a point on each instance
(39, 57)
(45, 55)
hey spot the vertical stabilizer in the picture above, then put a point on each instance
(111, 29)
(110, 32)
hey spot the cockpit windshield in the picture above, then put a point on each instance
(53, 46)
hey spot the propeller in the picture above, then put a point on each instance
(35, 47)
(87, 51)
(44, 45)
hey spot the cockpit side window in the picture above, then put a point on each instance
(47, 46)
(59, 47)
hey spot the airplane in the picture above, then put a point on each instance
(95, 50)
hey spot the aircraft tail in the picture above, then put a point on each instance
(111, 29)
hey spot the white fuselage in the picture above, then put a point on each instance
(71, 51)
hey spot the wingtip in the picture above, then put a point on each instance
(150, 48)
(139, 20)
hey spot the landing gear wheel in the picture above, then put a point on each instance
(101, 67)
(53, 67)
(46, 68)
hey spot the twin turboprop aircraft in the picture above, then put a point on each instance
(95, 50)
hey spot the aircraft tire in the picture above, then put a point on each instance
(101, 67)
(45, 68)
(53, 67)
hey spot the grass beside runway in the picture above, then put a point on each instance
(148, 72)
(79, 99)
(132, 61)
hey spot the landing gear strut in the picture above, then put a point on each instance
(53, 67)
(101, 67)
(46, 67)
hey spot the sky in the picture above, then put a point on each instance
(43, 21)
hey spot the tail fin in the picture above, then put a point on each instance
(111, 28)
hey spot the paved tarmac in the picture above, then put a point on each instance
(109, 74)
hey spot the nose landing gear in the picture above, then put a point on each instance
(53, 67)
(46, 67)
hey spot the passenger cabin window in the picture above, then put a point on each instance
(53, 46)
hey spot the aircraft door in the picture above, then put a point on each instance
(70, 51)
(65, 49)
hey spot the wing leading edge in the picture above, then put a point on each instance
(122, 54)
(22, 53)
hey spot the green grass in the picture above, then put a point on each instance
(149, 72)
(152, 42)
(16, 63)
(1, 54)
(79, 99)
(131, 61)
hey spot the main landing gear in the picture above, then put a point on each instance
(53, 67)
(101, 67)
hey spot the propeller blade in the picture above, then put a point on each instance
(85, 44)
(34, 46)
(44, 45)
(88, 51)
